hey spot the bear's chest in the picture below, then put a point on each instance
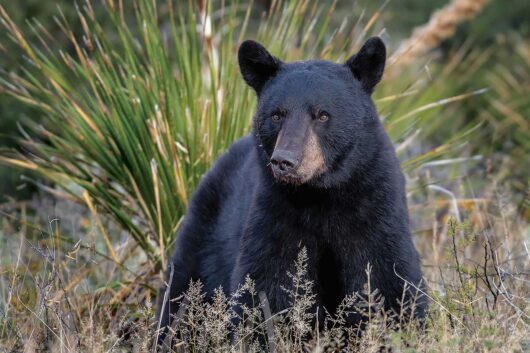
(328, 223)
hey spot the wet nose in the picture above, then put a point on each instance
(284, 160)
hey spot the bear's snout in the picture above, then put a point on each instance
(298, 159)
(284, 162)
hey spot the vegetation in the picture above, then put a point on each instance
(135, 105)
(73, 297)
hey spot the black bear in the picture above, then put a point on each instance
(318, 171)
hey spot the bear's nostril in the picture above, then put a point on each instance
(286, 165)
(284, 161)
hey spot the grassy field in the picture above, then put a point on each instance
(63, 292)
(142, 101)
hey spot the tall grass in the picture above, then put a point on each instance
(135, 114)
(508, 116)
(59, 296)
(442, 25)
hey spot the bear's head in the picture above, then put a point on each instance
(315, 122)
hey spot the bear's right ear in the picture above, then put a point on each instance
(256, 64)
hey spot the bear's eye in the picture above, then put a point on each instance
(276, 117)
(323, 117)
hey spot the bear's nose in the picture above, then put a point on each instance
(284, 160)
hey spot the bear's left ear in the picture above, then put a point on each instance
(256, 64)
(369, 63)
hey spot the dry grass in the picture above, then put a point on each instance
(61, 293)
(442, 25)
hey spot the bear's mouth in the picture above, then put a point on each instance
(290, 178)
(286, 177)
(298, 175)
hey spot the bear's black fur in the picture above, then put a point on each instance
(318, 171)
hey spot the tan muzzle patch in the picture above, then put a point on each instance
(313, 163)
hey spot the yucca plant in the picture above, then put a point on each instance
(135, 114)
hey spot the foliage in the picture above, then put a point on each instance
(502, 111)
(508, 113)
(135, 115)
(60, 295)
(11, 111)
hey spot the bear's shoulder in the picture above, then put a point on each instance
(230, 168)
(235, 157)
